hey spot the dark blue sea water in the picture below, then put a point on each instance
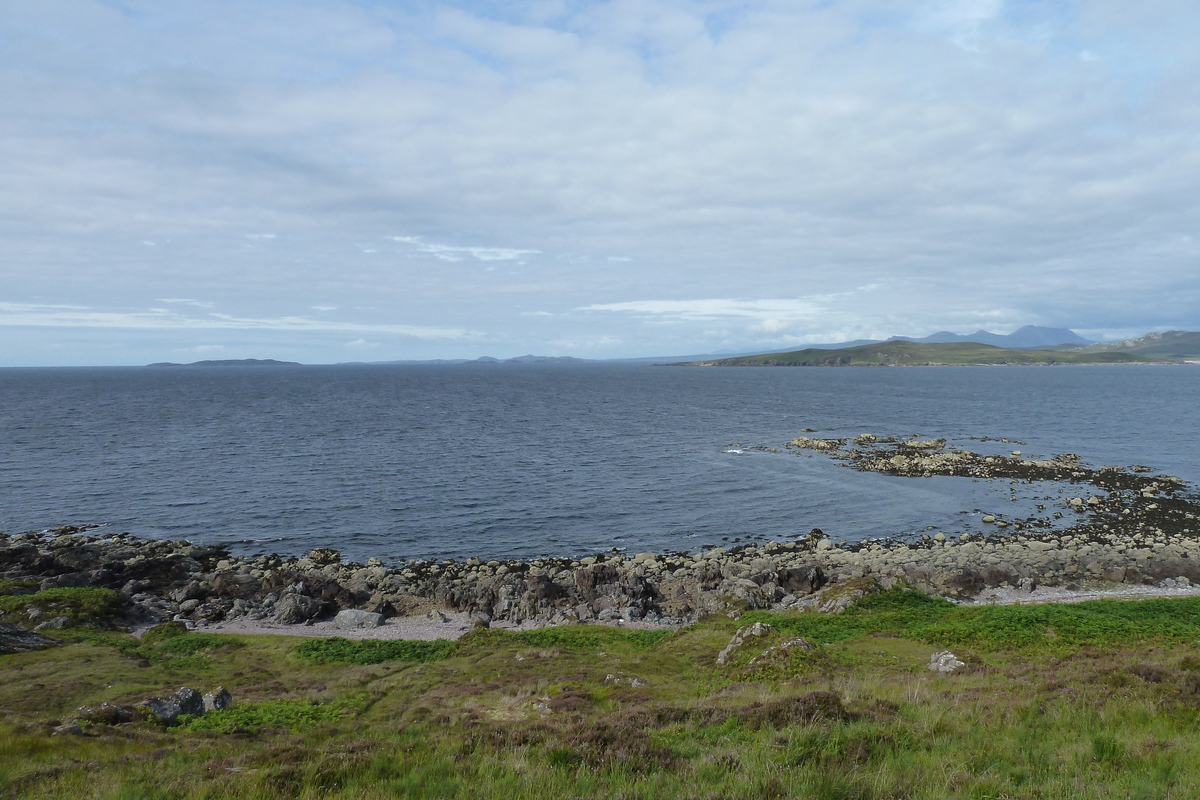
(517, 461)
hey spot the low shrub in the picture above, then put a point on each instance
(288, 715)
(372, 651)
(83, 605)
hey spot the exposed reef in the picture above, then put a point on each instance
(1123, 525)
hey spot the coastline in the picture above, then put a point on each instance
(1115, 532)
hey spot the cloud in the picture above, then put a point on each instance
(196, 303)
(35, 315)
(982, 162)
(362, 344)
(704, 310)
(451, 253)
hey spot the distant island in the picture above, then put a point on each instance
(231, 362)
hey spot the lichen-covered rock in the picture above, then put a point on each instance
(739, 638)
(217, 700)
(944, 661)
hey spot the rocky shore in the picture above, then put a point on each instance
(1123, 526)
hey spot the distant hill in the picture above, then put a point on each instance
(232, 362)
(905, 353)
(1174, 345)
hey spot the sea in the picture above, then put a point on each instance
(404, 462)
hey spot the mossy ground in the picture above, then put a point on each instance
(1094, 700)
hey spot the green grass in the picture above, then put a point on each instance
(1095, 700)
(896, 611)
(1097, 623)
(590, 638)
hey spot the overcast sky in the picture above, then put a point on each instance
(346, 181)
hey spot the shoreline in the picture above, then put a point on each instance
(1129, 532)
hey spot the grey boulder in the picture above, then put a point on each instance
(352, 618)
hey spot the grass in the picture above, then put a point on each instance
(1094, 700)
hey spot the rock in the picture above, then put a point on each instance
(68, 729)
(801, 580)
(324, 557)
(836, 599)
(803, 644)
(57, 623)
(218, 699)
(168, 711)
(15, 639)
(295, 608)
(739, 638)
(944, 661)
(353, 618)
(103, 714)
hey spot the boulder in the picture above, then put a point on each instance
(295, 608)
(103, 714)
(217, 700)
(168, 711)
(353, 618)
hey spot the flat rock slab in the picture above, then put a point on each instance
(353, 618)
(15, 639)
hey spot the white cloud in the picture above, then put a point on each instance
(184, 302)
(714, 309)
(979, 163)
(35, 315)
(453, 253)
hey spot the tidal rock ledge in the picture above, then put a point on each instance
(163, 580)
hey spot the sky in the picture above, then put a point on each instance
(368, 181)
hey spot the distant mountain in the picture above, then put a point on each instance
(1175, 345)
(1030, 336)
(532, 359)
(899, 352)
(231, 362)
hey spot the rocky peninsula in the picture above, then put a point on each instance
(1121, 527)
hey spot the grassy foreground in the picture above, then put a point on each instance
(1098, 699)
